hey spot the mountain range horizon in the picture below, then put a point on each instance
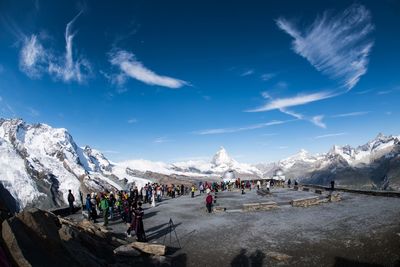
(39, 164)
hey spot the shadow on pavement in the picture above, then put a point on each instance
(163, 231)
(256, 259)
(341, 262)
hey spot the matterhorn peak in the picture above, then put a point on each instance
(302, 152)
(221, 157)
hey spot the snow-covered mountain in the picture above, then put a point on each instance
(373, 165)
(39, 164)
(220, 163)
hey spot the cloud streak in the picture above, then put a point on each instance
(317, 120)
(240, 129)
(35, 59)
(351, 114)
(337, 46)
(329, 135)
(302, 99)
(131, 67)
(247, 73)
(160, 140)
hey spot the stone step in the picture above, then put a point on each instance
(305, 202)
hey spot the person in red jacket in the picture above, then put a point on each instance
(209, 200)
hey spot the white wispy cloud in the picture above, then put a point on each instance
(133, 120)
(5, 109)
(363, 92)
(329, 135)
(384, 92)
(292, 113)
(131, 67)
(281, 103)
(247, 73)
(67, 68)
(240, 129)
(33, 112)
(269, 134)
(317, 120)
(351, 114)
(338, 46)
(267, 76)
(35, 59)
(160, 140)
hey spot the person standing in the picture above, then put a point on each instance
(193, 190)
(268, 183)
(71, 200)
(139, 228)
(209, 200)
(105, 208)
(153, 199)
(111, 204)
(289, 182)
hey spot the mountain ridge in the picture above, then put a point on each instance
(38, 164)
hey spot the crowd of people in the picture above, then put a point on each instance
(127, 205)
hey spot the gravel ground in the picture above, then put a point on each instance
(358, 231)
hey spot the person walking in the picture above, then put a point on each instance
(268, 183)
(105, 208)
(289, 182)
(209, 200)
(258, 185)
(71, 200)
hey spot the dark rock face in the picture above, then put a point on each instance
(7, 201)
(38, 238)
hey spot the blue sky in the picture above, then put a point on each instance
(175, 80)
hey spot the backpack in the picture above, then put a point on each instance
(209, 199)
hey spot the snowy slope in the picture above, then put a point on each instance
(14, 176)
(39, 161)
(365, 166)
(217, 166)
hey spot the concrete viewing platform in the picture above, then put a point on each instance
(273, 230)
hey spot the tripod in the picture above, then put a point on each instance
(169, 229)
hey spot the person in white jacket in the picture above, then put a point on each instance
(153, 198)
